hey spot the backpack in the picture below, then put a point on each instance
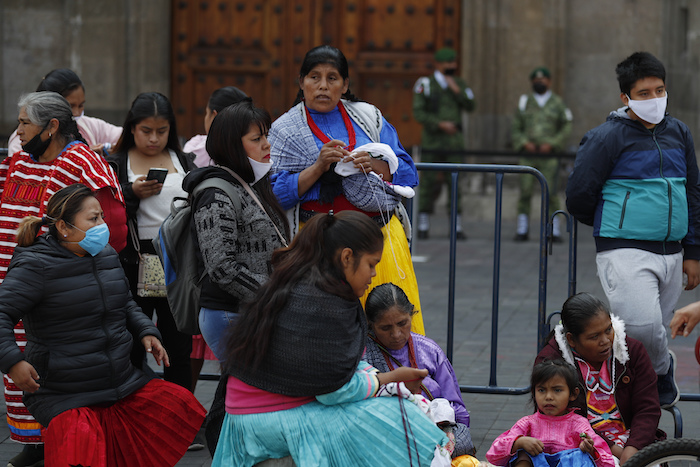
(177, 248)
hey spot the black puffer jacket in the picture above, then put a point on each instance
(79, 318)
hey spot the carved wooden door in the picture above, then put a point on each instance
(258, 46)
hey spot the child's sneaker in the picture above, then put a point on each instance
(666, 385)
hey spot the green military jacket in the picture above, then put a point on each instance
(432, 104)
(549, 124)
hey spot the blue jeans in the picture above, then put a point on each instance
(215, 325)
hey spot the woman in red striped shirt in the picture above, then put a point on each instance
(53, 156)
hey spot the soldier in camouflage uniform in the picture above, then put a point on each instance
(541, 125)
(438, 102)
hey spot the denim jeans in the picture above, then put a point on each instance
(215, 326)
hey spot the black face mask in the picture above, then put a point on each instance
(539, 88)
(35, 146)
(450, 71)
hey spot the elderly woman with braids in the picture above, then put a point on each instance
(325, 132)
(391, 344)
(296, 383)
(53, 156)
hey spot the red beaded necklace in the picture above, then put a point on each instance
(323, 137)
(411, 356)
(390, 360)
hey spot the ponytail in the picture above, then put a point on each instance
(64, 204)
(29, 229)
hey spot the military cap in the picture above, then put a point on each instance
(445, 54)
(540, 72)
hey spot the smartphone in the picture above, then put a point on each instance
(157, 174)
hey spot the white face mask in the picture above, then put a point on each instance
(649, 110)
(79, 116)
(259, 169)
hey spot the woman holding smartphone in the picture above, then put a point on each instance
(151, 166)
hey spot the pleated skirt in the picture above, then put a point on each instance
(375, 431)
(396, 266)
(153, 426)
(567, 458)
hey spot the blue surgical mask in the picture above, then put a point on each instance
(96, 238)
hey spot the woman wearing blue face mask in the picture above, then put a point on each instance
(76, 373)
(53, 156)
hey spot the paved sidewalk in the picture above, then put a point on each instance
(492, 414)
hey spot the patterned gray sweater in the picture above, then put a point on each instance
(235, 246)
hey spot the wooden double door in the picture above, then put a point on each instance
(258, 46)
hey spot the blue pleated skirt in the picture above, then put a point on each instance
(568, 458)
(368, 432)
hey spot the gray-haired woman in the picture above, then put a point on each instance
(53, 156)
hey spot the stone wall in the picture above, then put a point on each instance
(118, 47)
(122, 47)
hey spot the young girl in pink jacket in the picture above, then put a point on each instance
(553, 435)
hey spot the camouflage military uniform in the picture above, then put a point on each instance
(549, 124)
(431, 105)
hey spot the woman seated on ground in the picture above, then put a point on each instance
(618, 382)
(391, 344)
(78, 381)
(297, 385)
(98, 134)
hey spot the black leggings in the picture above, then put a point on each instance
(177, 344)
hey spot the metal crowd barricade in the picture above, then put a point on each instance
(545, 246)
(545, 239)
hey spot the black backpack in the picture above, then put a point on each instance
(177, 248)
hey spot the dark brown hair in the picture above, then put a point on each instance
(313, 255)
(65, 204)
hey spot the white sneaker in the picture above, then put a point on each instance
(459, 223)
(423, 225)
(423, 222)
(523, 224)
(556, 232)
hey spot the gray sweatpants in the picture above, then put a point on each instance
(642, 289)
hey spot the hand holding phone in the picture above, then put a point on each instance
(158, 174)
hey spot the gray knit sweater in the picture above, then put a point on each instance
(235, 246)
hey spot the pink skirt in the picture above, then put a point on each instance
(154, 426)
(200, 349)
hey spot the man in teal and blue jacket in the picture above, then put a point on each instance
(635, 180)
